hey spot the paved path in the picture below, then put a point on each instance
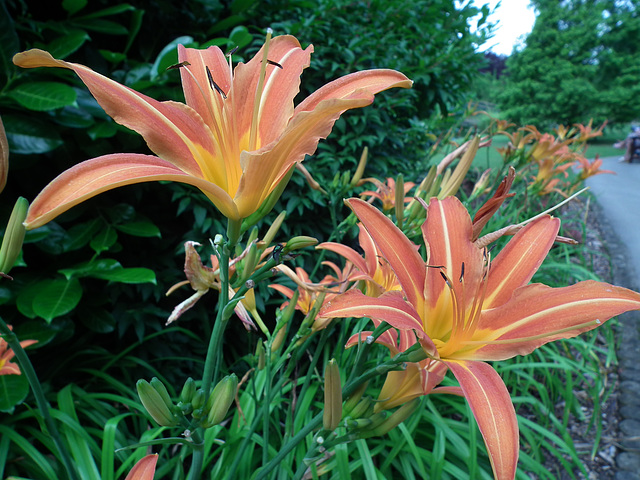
(618, 197)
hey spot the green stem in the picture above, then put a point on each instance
(213, 360)
(36, 388)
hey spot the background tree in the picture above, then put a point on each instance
(580, 61)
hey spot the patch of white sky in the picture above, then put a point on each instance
(514, 20)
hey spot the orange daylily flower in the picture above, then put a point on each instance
(371, 268)
(235, 138)
(591, 168)
(202, 278)
(7, 367)
(385, 192)
(144, 469)
(465, 313)
(309, 292)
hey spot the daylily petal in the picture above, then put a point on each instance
(263, 169)
(371, 81)
(144, 469)
(347, 252)
(538, 314)
(399, 251)
(447, 232)
(197, 91)
(280, 87)
(492, 408)
(516, 263)
(91, 177)
(172, 130)
(399, 388)
(389, 307)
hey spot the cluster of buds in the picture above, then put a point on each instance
(205, 410)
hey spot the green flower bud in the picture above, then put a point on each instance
(13, 236)
(222, 397)
(396, 418)
(188, 390)
(162, 390)
(296, 243)
(332, 396)
(198, 399)
(155, 404)
(354, 399)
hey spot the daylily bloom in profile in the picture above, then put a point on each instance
(235, 139)
(372, 269)
(309, 293)
(465, 313)
(7, 367)
(386, 192)
(144, 469)
(202, 278)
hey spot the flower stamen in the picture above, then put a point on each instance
(214, 85)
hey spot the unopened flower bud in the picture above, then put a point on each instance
(396, 418)
(279, 338)
(188, 390)
(296, 243)
(13, 236)
(198, 398)
(273, 229)
(361, 165)
(353, 400)
(154, 403)
(332, 396)
(222, 395)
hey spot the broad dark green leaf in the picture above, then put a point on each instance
(73, 6)
(88, 269)
(13, 390)
(38, 330)
(65, 45)
(80, 234)
(28, 135)
(127, 275)
(56, 298)
(168, 56)
(101, 26)
(43, 96)
(102, 130)
(240, 37)
(104, 240)
(140, 229)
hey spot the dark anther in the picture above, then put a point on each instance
(461, 273)
(445, 277)
(214, 85)
(178, 65)
(275, 64)
(232, 51)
